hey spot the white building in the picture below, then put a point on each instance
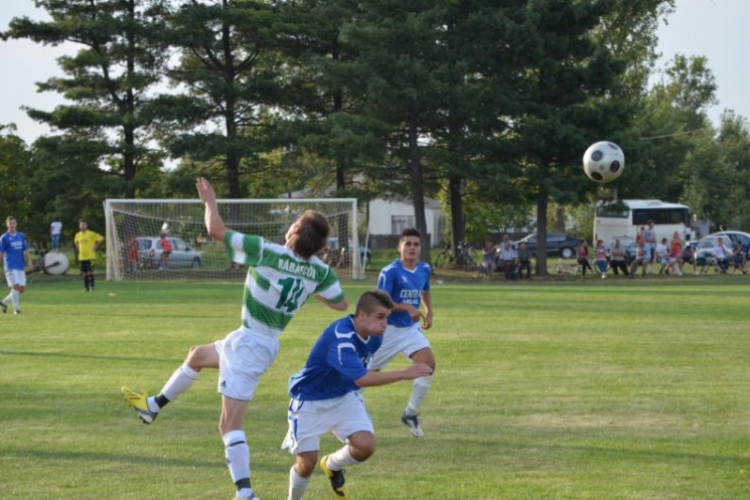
(390, 217)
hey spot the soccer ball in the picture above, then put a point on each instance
(603, 162)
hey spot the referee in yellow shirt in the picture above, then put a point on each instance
(87, 243)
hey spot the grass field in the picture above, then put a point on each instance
(560, 390)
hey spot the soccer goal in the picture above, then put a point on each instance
(136, 230)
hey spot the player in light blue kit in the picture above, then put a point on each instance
(407, 281)
(325, 395)
(14, 254)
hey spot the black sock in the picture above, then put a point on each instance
(91, 280)
(243, 483)
(161, 401)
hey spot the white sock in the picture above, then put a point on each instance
(419, 390)
(341, 459)
(297, 485)
(7, 299)
(15, 296)
(180, 381)
(237, 453)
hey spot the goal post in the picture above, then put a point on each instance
(135, 227)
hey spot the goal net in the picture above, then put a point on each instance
(135, 229)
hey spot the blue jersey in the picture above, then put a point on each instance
(13, 246)
(338, 358)
(405, 286)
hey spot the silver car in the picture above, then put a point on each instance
(183, 255)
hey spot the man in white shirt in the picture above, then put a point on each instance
(55, 229)
(721, 255)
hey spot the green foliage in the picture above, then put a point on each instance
(15, 173)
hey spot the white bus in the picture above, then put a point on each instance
(623, 219)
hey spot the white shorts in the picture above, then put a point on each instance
(308, 420)
(404, 340)
(243, 357)
(15, 277)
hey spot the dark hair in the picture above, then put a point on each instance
(410, 231)
(313, 233)
(369, 300)
(83, 220)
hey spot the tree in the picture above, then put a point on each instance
(564, 104)
(107, 81)
(231, 81)
(15, 188)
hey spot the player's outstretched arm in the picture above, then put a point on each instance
(373, 378)
(338, 306)
(214, 223)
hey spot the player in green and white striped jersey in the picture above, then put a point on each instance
(279, 280)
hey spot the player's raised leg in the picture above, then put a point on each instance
(147, 408)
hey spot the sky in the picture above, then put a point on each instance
(716, 29)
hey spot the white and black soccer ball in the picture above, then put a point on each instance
(603, 162)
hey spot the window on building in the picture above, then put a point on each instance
(399, 222)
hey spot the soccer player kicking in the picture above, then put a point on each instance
(15, 256)
(325, 395)
(407, 281)
(283, 278)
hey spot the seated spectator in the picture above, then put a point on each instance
(507, 259)
(642, 258)
(617, 259)
(688, 257)
(721, 254)
(524, 260)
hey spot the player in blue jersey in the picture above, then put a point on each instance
(14, 254)
(326, 398)
(407, 281)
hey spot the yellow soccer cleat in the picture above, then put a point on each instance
(139, 402)
(338, 482)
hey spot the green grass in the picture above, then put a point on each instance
(591, 389)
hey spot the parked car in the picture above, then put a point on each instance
(557, 244)
(628, 244)
(705, 247)
(183, 255)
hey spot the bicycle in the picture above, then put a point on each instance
(464, 257)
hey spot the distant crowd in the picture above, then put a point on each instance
(651, 256)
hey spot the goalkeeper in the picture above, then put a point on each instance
(283, 278)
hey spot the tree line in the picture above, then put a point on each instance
(485, 105)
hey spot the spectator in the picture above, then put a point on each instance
(55, 228)
(721, 255)
(488, 259)
(524, 260)
(132, 254)
(738, 257)
(675, 253)
(662, 256)
(688, 256)
(166, 251)
(583, 257)
(649, 237)
(601, 258)
(507, 258)
(641, 258)
(617, 259)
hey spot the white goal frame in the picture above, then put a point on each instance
(118, 262)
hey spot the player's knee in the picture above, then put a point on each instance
(306, 463)
(361, 446)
